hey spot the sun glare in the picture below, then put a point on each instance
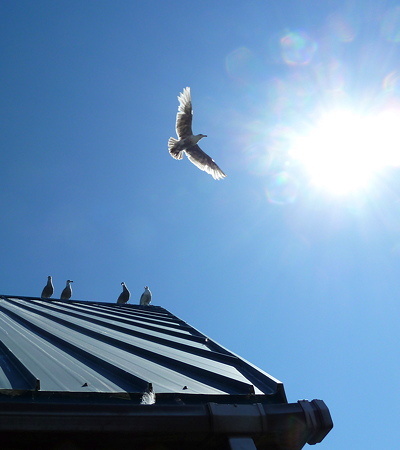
(345, 149)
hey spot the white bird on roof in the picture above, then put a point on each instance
(145, 299)
(124, 295)
(66, 294)
(188, 142)
(48, 290)
(149, 396)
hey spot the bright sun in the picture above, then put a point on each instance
(345, 149)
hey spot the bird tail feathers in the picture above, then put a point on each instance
(173, 148)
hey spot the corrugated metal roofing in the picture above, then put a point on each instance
(77, 346)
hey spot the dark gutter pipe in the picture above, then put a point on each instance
(287, 426)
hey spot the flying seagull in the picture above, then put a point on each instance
(66, 294)
(124, 295)
(145, 299)
(48, 289)
(187, 142)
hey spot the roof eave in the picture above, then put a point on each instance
(287, 425)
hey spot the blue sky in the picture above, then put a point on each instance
(297, 278)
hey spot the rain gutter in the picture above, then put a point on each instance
(284, 425)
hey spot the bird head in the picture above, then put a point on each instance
(69, 281)
(123, 284)
(199, 136)
(146, 287)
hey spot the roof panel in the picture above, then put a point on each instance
(74, 346)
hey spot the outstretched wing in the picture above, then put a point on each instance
(204, 162)
(185, 115)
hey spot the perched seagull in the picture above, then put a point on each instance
(124, 295)
(149, 397)
(145, 299)
(188, 142)
(66, 294)
(48, 289)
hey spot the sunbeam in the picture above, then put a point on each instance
(344, 150)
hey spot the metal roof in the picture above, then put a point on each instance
(79, 346)
(74, 374)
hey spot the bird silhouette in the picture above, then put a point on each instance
(124, 295)
(48, 290)
(66, 294)
(145, 298)
(187, 142)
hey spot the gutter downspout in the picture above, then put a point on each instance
(311, 421)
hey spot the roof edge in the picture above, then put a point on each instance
(278, 424)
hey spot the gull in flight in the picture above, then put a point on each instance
(187, 142)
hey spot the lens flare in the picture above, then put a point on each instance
(282, 189)
(243, 65)
(341, 28)
(331, 76)
(390, 26)
(391, 82)
(297, 48)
